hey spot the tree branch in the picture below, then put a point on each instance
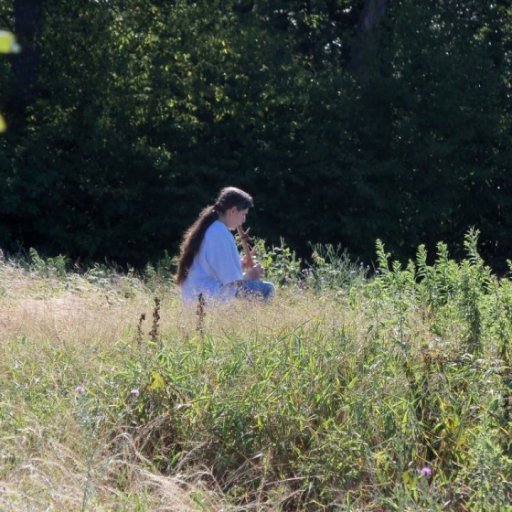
(8, 24)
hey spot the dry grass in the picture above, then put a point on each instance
(58, 333)
(57, 479)
(55, 334)
(74, 311)
(327, 401)
(333, 379)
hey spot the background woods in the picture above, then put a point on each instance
(349, 120)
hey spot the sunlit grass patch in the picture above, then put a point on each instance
(389, 393)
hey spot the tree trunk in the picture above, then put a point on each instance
(365, 45)
(25, 65)
(373, 13)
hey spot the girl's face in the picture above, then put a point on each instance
(235, 217)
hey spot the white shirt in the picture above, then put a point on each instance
(216, 265)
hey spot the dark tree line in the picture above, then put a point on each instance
(348, 120)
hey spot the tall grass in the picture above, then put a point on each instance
(346, 393)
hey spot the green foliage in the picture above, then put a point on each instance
(47, 267)
(140, 112)
(332, 268)
(394, 394)
(280, 263)
(327, 408)
(487, 472)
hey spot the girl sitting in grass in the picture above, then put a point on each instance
(209, 262)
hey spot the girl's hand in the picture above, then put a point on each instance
(254, 273)
(246, 261)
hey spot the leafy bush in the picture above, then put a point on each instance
(393, 394)
(394, 398)
(48, 267)
(280, 263)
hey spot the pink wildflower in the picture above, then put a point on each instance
(134, 392)
(425, 471)
(79, 390)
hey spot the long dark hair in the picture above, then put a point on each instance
(227, 198)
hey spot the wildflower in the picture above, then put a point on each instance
(134, 392)
(79, 390)
(425, 471)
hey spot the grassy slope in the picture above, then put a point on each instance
(332, 401)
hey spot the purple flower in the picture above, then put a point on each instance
(79, 390)
(425, 471)
(134, 392)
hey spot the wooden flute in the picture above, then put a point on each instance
(245, 239)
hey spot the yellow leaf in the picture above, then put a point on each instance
(3, 126)
(381, 457)
(8, 42)
(157, 382)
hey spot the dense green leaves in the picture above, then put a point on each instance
(344, 134)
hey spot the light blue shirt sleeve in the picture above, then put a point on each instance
(216, 266)
(221, 254)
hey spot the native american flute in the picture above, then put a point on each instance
(245, 239)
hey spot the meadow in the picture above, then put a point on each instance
(352, 391)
